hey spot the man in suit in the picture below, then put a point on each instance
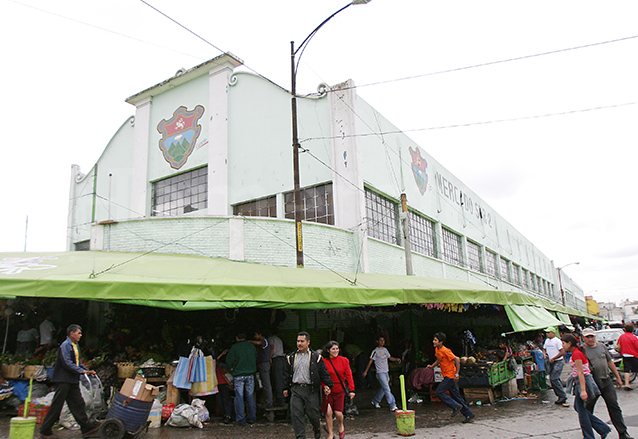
(66, 375)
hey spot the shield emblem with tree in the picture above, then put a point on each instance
(179, 135)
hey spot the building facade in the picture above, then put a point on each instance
(204, 167)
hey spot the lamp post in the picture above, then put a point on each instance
(294, 65)
(560, 282)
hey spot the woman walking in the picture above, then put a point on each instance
(341, 376)
(584, 388)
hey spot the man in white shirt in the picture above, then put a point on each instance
(554, 362)
(46, 331)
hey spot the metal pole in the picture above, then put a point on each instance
(560, 283)
(406, 235)
(295, 159)
(6, 334)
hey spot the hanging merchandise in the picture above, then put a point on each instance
(181, 374)
(197, 369)
(209, 386)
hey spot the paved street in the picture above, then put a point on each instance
(515, 419)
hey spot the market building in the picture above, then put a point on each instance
(204, 167)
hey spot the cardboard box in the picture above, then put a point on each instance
(138, 389)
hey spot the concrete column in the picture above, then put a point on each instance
(347, 177)
(140, 204)
(218, 84)
(236, 238)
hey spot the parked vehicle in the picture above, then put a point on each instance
(609, 337)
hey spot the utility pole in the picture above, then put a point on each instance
(406, 235)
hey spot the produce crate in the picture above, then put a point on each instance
(35, 411)
(153, 372)
(484, 375)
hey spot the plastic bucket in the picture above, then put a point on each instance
(405, 422)
(22, 428)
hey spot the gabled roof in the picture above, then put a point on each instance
(182, 76)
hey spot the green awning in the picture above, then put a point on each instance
(564, 318)
(530, 318)
(184, 282)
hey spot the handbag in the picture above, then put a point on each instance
(346, 398)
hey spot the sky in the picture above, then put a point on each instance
(533, 105)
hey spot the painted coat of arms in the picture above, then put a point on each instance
(419, 164)
(179, 135)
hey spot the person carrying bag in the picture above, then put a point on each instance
(340, 394)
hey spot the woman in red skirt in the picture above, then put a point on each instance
(341, 375)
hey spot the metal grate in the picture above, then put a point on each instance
(515, 276)
(490, 263)
(382, 216)
(422, 235)
(452, 247)
(264, 207)
(474, 256)
(505, 270)
(317, 204)
(524, 276)
(183, 193)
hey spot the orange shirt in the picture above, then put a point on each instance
(446, 361)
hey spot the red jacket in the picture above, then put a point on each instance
(343, 367)
(628, 343)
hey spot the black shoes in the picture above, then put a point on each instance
(456, 410)
(625, 435)
(468, 419)
(561, 401)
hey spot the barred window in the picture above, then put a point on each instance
(524, 276)
(474, 256)
(382, 216)
(183, 193)
(515, 275)
(263, 207)
(532, 278)
(452, 247)
(505, 270)
(422, 234)
(490, 263)
(317, 204)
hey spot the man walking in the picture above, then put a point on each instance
(242, 359)
(450, 367)
(380, 357)
(600, 363)
(554, 355)
(305, 370)
(66, 375)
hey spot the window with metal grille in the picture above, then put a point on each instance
(505, 270)
(515, 275)
(452, 247)
(183, 193)
(263, 207)
(490, 263)
(382, 217)
(422, 235)
(317, 204)
(474, 256)
(532, 278)
(524, 276)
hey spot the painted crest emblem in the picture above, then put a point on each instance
(418, 169)
(179, 135)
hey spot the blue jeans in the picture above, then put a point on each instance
(555, 370)
(245, 389)
(588, 422)
(454, 400)
(384, 389)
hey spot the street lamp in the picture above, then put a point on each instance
(560, 282)
(295, 139)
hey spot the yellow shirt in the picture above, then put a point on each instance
(77, 353)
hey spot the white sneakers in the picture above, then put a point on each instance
(393, 408)
(376, 405)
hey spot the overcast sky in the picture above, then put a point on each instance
(566, 181)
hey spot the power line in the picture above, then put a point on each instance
(469, 124)
(105, 30)
(491, 63)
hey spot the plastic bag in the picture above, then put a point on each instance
(184, 415)
(41, 374)
(91, 389)
(200, 408)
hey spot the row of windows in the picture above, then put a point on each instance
(180, 194)
(382, 217)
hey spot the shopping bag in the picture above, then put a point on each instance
(197, 372)
(180, 376)
(208, 386)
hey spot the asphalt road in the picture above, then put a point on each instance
(514, 419)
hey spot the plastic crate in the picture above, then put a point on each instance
(35, 411)
(484, 375)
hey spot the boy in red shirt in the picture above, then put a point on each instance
(450, 366)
